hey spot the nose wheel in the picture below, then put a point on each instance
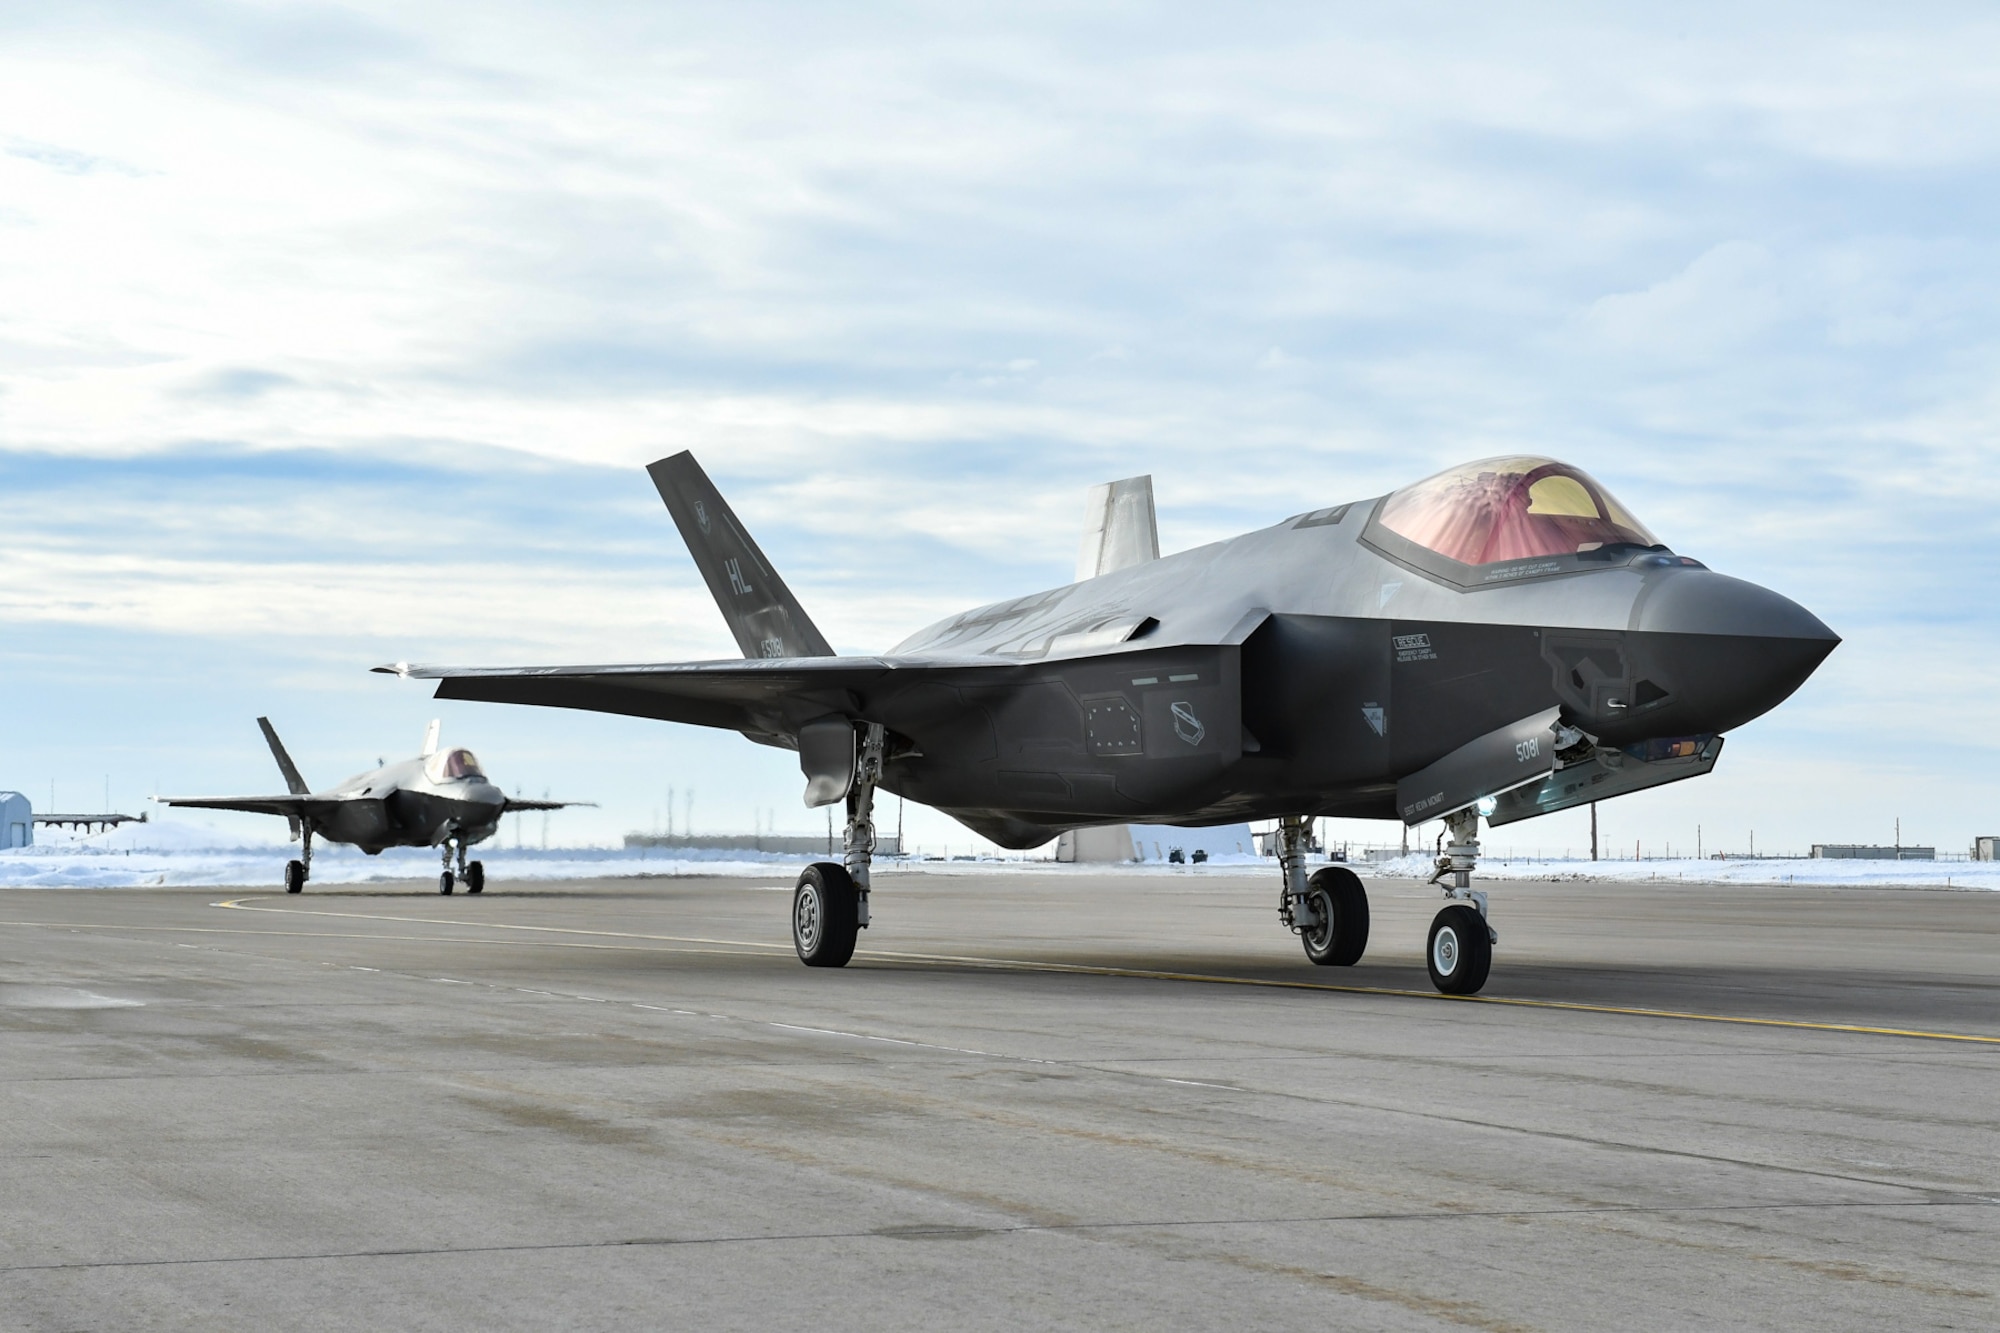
(473, 876)
(1460, 953)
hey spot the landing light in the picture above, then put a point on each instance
(1487, 805)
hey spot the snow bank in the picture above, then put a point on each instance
(1831, 873)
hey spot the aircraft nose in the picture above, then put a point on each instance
(1733, 649)
(1700, 601)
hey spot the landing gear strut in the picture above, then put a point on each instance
(830, 904)
(299, 871)
(447, 880)
(1328, 911)
(1459, 952)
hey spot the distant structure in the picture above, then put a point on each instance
(1835, 851)
(788, 844)
(89, 823)
(1126, 844)
(17, 820)
(1111, 845)
(1986, 849)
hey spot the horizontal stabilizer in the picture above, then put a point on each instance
(1606, 774)
(1499, 761)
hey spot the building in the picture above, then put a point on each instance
(780, 844)
(1128, 843)
(1986, 849)
(1834, 851)
(17, 820)
(1110, 845)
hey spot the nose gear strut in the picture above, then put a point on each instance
(1459, 952)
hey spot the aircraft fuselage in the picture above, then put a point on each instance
(1307, 666)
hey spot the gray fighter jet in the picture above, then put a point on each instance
(439, 799)
(1501, 640)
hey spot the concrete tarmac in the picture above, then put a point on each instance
(1057, 1100)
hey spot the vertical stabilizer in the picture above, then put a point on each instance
(762, 613)
(1119, 528)
(293, 782)
(431, 737)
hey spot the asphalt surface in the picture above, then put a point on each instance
(1033, 1100)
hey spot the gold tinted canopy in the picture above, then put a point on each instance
(1511, 508)
(447, 765)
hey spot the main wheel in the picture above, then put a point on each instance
(1342, 933)
(295, 876)
(444, 882)
(826, 911)
(1460, 953)
(475, 877)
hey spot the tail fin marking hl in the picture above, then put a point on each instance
(761, 611)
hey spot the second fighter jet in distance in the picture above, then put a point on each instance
(1501, 640)
(441, 798)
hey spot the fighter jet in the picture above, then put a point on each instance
(1498, 641)
(441, 798)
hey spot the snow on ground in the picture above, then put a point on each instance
(1830, 873)
(187, 855)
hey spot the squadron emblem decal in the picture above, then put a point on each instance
(701, 515)
(1186, 725)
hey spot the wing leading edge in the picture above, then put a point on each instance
(767, 699)
(290, 807)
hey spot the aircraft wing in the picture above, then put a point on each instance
(764, 697)
(291, 807)
(515, 807)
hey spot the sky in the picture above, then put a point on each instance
(334, 335)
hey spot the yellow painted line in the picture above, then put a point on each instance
(1145, 974)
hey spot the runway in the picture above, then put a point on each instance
(1067, 1101)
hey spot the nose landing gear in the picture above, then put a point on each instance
(1459, 952)
(473, 874)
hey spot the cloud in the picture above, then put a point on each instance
(68, 161)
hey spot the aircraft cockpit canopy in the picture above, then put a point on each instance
(1513, 508)
(450, 765)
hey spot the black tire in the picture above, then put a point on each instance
(475, 877)
(826, 911)
(1342, 935)
(444, 882)
(295, 877)
(1459, 952)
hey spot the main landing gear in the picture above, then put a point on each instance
(1328, 911)
(1459, 952)
(830, 904)
(299, 871)
(472, 874)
